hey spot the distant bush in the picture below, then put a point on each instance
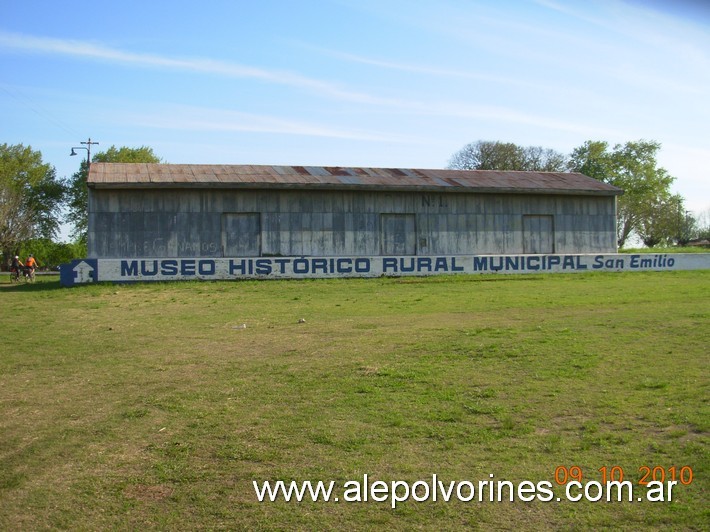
(673, 249)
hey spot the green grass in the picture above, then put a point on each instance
(148, 406)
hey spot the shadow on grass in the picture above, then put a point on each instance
(40, 285)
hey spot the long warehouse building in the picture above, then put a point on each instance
(181, 210)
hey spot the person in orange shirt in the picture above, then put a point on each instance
(31, 263)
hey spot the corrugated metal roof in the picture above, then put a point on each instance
(140, 175)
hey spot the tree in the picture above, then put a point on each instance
(688, 227)
(633, 168)
(31, 197)
(663, 221)
(77, 203)
(489, 155)
(51, 254)
(15, 220)
(539, 159)
(78, 193)
(703, 225)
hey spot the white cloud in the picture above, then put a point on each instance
(435, 72)
(82, 49)
(211, 119)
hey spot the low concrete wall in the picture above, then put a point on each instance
(180, 269)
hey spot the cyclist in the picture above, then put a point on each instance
(16, 268)
(30, 266)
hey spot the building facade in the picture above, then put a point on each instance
(172, 211)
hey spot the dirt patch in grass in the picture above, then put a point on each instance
(142, 492)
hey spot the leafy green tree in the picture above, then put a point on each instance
(78, 193)
(633, 167)
(78, 202)
(31, 197)
(490, 155)
(663, 221)
(50, 254)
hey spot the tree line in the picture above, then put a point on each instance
(647, 209)
(34, 203)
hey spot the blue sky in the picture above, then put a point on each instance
(382, 83)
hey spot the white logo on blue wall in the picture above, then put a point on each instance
(83, 273)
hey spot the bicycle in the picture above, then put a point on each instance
(22, 274)
(29, 275)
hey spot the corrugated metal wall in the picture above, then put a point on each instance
(216, 223)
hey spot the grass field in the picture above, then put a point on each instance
(149, 406)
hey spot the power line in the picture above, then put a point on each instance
(41, 112)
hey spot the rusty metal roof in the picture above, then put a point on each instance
(141, 175)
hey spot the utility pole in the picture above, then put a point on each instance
(87, 147)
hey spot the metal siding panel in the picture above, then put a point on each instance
(486, 205)
(366, 239)
(306, 243)
(270, 233)
(284, 201)
(284, 243)
(317, 200)
(97, 201)
(349, 234)
(189, 245)
(305, 203)
(230, 202)
(348, 205)
(116, 202)
(306, 221)
(337, 240)
(452, 223)
(338, 222)
(359, 222)
(508, 233)
(213, 201)
(358, 202)
(295, 222)
(424, 238)
(293, 202)
(322, 243)
(295, 234)
(484, 242)
(327, 221)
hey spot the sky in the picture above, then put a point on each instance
(372, 83)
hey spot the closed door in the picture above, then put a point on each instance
(399, 235)
(241, 234)
(538, 234)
